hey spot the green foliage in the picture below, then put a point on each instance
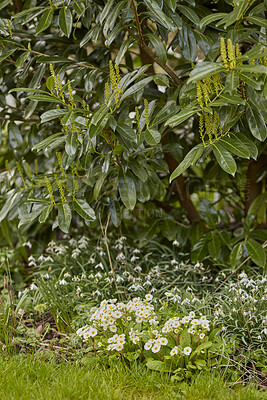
(91, 127)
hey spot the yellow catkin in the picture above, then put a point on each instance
(52, 71)
(201, 128)
(208, 127)
(205, 93)
(118, 79)
(138, 119)
(61, 190)
(50, 191)
(237, 51)
(218, 86)
(107, 92)
(59, 160)
(199, 95)
(252, 62)
(21, 174)
(208, 83)
(10, 29)
(36, 166)
(223, 52)
(231, 53)
(71, 95)
(146, 112)
(75, 182)
(29, 172)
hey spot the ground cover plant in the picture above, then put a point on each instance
(133, 197)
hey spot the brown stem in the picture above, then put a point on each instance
(149, 52)
(254, 188)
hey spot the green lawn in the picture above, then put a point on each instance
(31, 377)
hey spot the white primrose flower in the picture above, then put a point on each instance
(187, 351)
(174, 351)
(202, 335)
(148, 345)
(185, 320)
(156, 348)
(148, 297)
(205, 325)
(163, 341)
(119, 347)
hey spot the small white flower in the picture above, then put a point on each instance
(187, 351)
(148, 297)
(163, 341)
(202, 335)
(174, 351)
(148, 346)
(33, 286)
(156, 348)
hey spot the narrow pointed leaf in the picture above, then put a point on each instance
(83, 209)
(190, 159)
(224, 158)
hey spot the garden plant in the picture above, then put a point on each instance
(133, 197)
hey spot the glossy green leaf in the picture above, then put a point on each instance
(256, 123)
(127, 190)
(182, 116)
(71, 143)
(65, 21)
(211, 18)
(152, 136)
(83, 209)
(126, 131)
(224, 158)
(262, 22)
(256, 252)
(158, 46)
(235, 146)
(155, 13)
(251, 69)
(205, 69)
(52, 114)
(45, 21)
(191, 158)
(136, 87)
(252, 148)
(45, 214)
(14, 136)
(138, 170)
(64, 217)
(48, 141)
(236, 254)
(189, 13)
(6, 54)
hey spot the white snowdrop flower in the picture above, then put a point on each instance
(62, 282)
(187, 351)
(174, 262)
(119, 279)
(202, 335)
(27, 244)
(100, 265)
(20, 293)
(264, 331)
(96, 293)
(136, 251)
(197, 265)
(155, 348)
(41, 258)
(46, 276)
(33, 286)
(138, 268)
(185, 301)
(92, 260)
(67, 275)
(147, 283)
(176, 243)
(134, 258)
(98, 275)
(120, 257)
(174, 351)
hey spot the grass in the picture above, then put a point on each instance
(30, 377)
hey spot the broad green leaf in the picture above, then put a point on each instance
(252, 148)
(202, 346)
(100, 112)
(156, 365)
(189, 13)
(45, 21)
(142, 191)
(65, 21)
(115, 212)
(224, 158)
(214, 245)
(262, 22)
(49, 140)
(41, 97)
(190, 159)
(138, 170)
(127, 190)
(14, 136)
(123, 49)
(6, 54)
(155, 13)
(158, 46)
(232, 99)
(211, 18)
(137, 86)
(251, 69)
(256, 252)
(185, 338)
(98, 185)
(12, 199)
(182, 116)
(28, 218)
(235, 146)
(126, 131)
(251, 81)
(235, 15)
(152, 136)
(83, 209)
(258, 208)
(52, 114)
(64, 217)
(205, 69)
(45, 213)
(71, 143)
(256, 123)
(236, 254)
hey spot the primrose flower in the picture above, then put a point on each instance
(148, 297)
(148, 345)
(155, 348)
(187, 351)
(202, 335)
(205, 325)
(174, 351)
(163, 341)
